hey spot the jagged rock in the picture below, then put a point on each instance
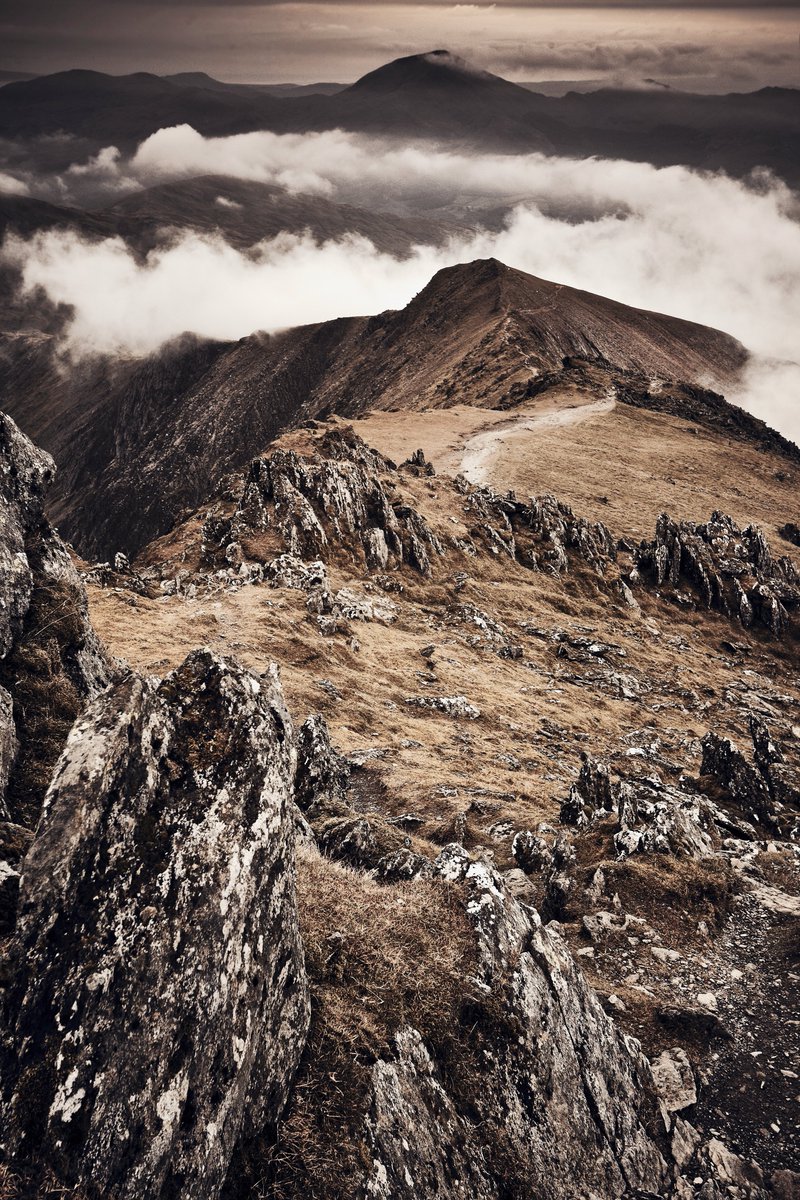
(540, 533)
(51, 663)
(589, 794)
(731, 1170)
(519, 886)
(451, 706)
(729, 569)
(364, 608)
(418, 465)
(403, 864)
(410, 1107)
(121, 574)
(674, 1079)
(530, 852)
(741, 782)
(333, 500)
(451, 862)
(556, 1053)
(657, 819)
(286, 571)
(164, 862)
(321, 777)
(781, 780)
(684, 1143)
(349, 839)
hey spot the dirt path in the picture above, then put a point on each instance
(479, 451)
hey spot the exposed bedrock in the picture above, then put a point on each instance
(566, 1099)
(50, 660)
(726, 568)
(159, 1003)
(348, 497)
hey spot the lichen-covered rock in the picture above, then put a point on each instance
(657, 819)
(531, 852)
(728, 569)
(590, 793)
(539, 533)
(674, 1079)
(172, 1018)
(51, 663)
(286, 571)
(418, 1143)
(450, 706)
(321, 777)
(740, 782)
(570, 1100)
(781, 779)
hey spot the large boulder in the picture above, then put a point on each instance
(159, 1003)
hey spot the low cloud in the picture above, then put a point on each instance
(11, 186)
(703, 247)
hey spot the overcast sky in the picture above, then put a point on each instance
(694, 47)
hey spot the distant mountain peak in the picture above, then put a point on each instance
(435, 68)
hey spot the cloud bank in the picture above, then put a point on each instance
(702, 247)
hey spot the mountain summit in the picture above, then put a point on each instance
(479, 333)
(437, 68)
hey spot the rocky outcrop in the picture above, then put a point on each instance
(341, 831)
(725, 568)
(590, 793)
(50, 660)
(564, 1098)
(344, 497)
(450, 706)
(170, 1021)
(339, 499)
(655, 818)
(766, 790)
(539, 533)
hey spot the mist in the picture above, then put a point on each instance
(704, 247)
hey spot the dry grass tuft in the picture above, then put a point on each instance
(46, 1187)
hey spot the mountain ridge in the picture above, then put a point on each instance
(479, 333)
(736, 132)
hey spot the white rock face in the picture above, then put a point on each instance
(34, 559)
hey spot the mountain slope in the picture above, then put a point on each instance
(428, 95)
(479, 334)
(242, 211)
